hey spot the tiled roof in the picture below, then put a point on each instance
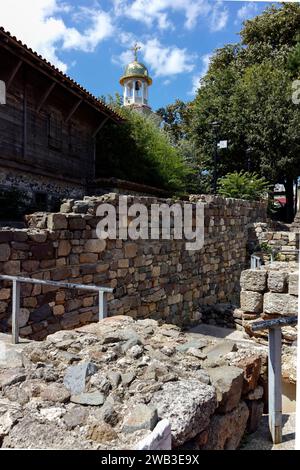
(33, 56)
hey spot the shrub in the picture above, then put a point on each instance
(140, 151)
(243, 185)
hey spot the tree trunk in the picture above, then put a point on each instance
(289, 191)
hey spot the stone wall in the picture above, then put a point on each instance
(33, 185)
(152, 278)
(269, 293)
(282, 243)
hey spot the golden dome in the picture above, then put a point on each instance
(136, 70)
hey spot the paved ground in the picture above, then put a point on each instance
(218, 333)
(261, 440)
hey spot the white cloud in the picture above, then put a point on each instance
(166, 61)
(40, 24)
(246, 11)
(151, 12)
(205, 59)
(219, 17)
(163, 61)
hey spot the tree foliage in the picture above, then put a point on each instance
(243, 185)
(139, 151)
(248, 89)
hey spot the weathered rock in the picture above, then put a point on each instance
(293, 283)
(29, 433)
(253, 280)
(91, 399)
(251, 366)
(23, 317)
(251, 301)
(109, 414)
(217, 352)
(4, 252)
(114, 378)
(41, 313)
(52, 414)
(55, 392)
(57, 222)
(188, 405)
(141, 417)
(277, 281)
(228, 382)
(256, 409)
(280, 304)
(135, 351)
(255, 394)
(76, 376)
(95, 246)
(128, 378)
(195, 344)
(10, 413)
(10, 377)
(102, 433)
(197, 353)
(75, 417)
(10, 357)
(226, 431)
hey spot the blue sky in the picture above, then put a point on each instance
(91, 39)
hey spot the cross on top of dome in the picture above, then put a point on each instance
(135, 50)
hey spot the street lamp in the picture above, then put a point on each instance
(248, 155)
(215, 128)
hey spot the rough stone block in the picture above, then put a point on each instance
(57, 222)
(226, 431)
(251, 301)
(4, 252)
(64, 248)
(141, 417)
(228, 382)
(251, 366)
(293, 284)
(277, 281)
(95, 246)
(76, 223)
(12, 268)
(5, 294)
(188, 405)
(76, 376)
(254, 280)
(130, 250)
(280, 304)
(23, 317)
(256, 409)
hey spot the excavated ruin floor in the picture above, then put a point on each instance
(157, 357)
(260, 440)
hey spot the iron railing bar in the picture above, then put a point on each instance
(64, 285)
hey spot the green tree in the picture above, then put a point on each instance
(248, 89)
(139, 151)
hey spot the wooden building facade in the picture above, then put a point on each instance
(48, 128)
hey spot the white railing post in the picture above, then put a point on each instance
(15, 311)
(275, 393)
(102, 305)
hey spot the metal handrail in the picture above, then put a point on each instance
(18, 280)
(274, 371)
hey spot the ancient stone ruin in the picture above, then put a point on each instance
(143, 378)
(115, 385)
(157, 279)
